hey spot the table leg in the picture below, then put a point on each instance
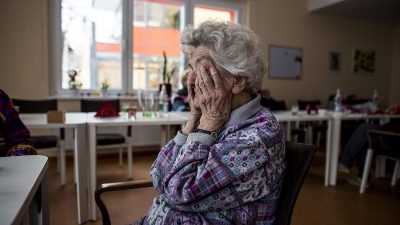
(328, 152)
(164, 134)
(337, 123)
(81, 173)
(130, 175)
(92, 173)
(288, 131)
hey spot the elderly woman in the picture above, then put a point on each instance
(226, 166)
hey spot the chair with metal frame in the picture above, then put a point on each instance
(46, 141)
(298, 161)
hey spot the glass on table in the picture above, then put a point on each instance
(294, 109)
(148, 103)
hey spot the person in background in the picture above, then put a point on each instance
(180, 102)
(357, 146)
(226, 165)
(15, 138)
(267, 101)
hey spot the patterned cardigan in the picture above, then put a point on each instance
(233, 179)
(15, 138)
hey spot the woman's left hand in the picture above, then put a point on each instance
(214, 99)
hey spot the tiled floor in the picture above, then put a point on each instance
(317, 204)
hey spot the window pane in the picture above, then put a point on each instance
(91, 42)
(156, 28)
(203, 13)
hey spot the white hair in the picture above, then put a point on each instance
(233, 47)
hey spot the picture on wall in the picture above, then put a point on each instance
(364, 61)
(334, 61)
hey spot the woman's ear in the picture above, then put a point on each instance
(239, 85)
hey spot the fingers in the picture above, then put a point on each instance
(205, 82)
(216, 77)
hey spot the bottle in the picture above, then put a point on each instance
(338, 101)
(164, 101)
(375, 98)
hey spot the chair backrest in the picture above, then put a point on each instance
(94, 105)
(35, 106)
(303, 104)
(298, 160)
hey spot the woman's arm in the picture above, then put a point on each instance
(17, 136)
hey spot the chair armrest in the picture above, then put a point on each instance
(118, 186)
(371, 133)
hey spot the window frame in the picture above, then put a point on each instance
(56, 41)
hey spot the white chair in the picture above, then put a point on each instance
(373, 148)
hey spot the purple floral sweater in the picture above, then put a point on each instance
(233, 179)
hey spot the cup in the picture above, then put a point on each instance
(147, 102)
(132, 112)
(322, 112)
(294, 109)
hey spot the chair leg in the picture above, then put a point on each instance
(367, 167)
(62, 163)
(120, 154)
(58, 161)
(395, 172)
(318, 139)
(310, 135)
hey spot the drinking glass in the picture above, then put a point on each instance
(147, 102)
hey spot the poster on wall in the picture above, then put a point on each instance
(285, 62)
(334, 61)
(364, 61)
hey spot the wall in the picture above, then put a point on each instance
(24, 57)
(23, 45)
(395, 89)
(288, 23)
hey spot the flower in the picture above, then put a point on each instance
(105, 85)
(167, 75)
(73, 83)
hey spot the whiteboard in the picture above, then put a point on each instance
(285, 62)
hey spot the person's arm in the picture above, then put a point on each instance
(203, 169)
(17, 136)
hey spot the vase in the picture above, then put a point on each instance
(103, 92)
(169, 93)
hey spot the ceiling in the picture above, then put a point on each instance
(382, 11)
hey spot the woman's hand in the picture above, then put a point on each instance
(213, 97)
(195, 113)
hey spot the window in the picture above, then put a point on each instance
(122, 41)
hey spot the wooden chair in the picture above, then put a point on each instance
(392, 141)
(46, 141)
(298, 160)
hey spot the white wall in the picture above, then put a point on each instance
(288, 23)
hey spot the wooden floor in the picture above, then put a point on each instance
(317, 204)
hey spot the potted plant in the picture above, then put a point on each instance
(104, 87)
(74, 85)
(167, 75)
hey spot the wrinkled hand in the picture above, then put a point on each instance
(195, 112)
(213, 98)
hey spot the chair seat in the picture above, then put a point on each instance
(44, 141)
(110, 139)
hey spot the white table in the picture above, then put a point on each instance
(77, 121)
(302, 116)
(173, 118)
(23, 185)
(337, 123)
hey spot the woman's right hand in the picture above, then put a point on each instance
(195, 112)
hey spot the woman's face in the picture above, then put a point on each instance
(199, 58)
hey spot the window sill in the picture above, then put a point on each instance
(78, 97)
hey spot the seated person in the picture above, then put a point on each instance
(14, 136)
(226, 166)
(180, 102)
(270, 103)
(357, 146)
